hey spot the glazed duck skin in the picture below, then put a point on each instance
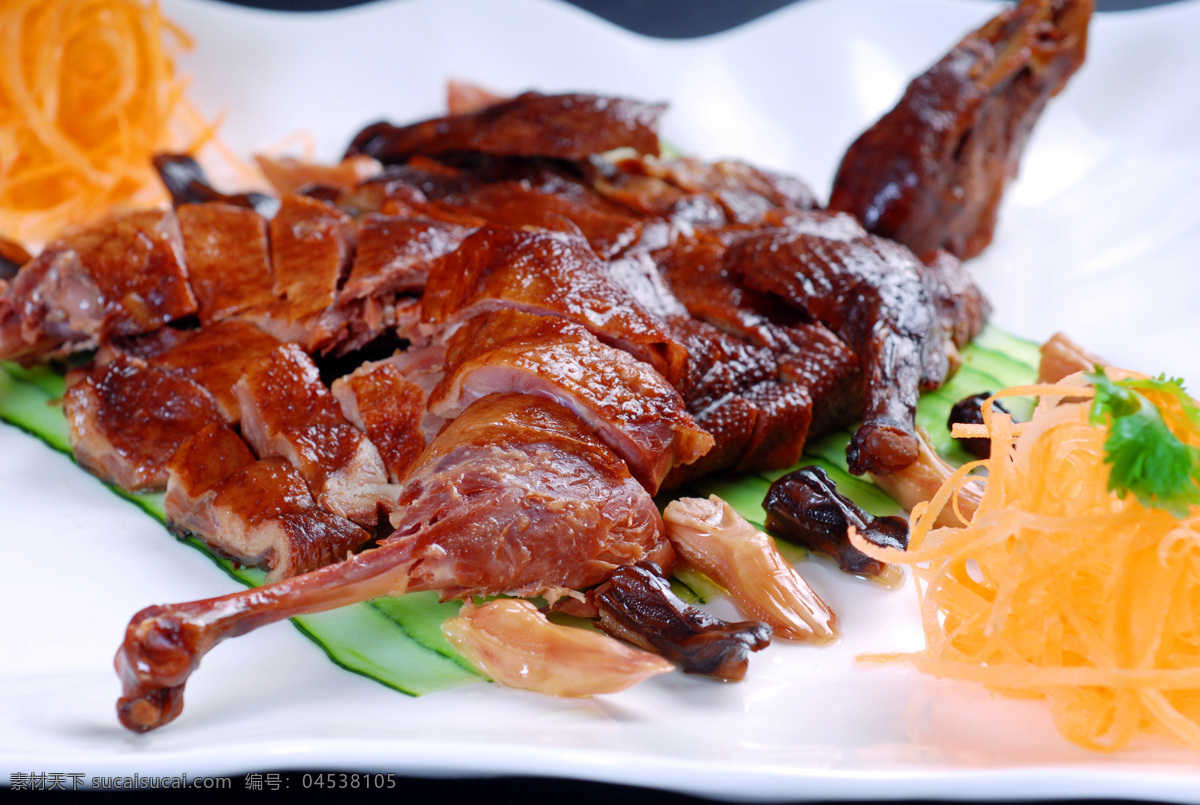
(628, 405)
(871, 294)
(484, 512)
(288, 412)
(930, 174)
(256, 512)
(547, 273)
(167, 408)
(570, 127)
(122, 277)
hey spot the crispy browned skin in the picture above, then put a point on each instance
(548, 273)
(627, 404)
(228, 258)
(484, 512)
(288, 412)
(931, 172)
(571, 127)
(312, 244)
(215, 356)
(125, 421)
(378, 400)
(394, 254)
(123, 276)
(257, 512)
(870, 293)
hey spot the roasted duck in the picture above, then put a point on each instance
(470, 370)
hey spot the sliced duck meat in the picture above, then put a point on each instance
(288, 412)
(781, 427)
(514, 496)
(125, 421)
(312, 245)
(557, 206)
(123, 276)
(215, 356)
(547, 273)
(257, 512)
(699, 275)
(870, 293)
(746, 194)
(720, 364)
(394, 254)
(570, 127)
(637, 273)
(378, 400)
(636, 604)
(628, 405)
(931, 172)
(228, 259)
(517, 496)
(828, 369)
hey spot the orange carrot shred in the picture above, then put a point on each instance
(1057, 588)
(88, 93)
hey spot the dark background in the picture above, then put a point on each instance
(674, 19)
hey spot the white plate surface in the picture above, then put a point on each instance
(1099, 238)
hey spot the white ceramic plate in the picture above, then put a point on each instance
(1099, 238)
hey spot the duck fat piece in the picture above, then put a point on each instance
(931, 172)
(228, 259)
(288, 412)
(256, 512)
(628, 405)
(125, 420)
(519, 647)
(805, 507)
(123, 276)
(513, 496)
(636, 604)
(187, 183)
(549, 273)
(570, 127)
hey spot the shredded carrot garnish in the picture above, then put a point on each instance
(88, 93)
(1058, 587)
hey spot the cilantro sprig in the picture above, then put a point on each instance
(1147, 458)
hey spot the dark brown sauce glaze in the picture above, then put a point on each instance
(636, 604)
(930, 174)
(805, 507)
(571, 127)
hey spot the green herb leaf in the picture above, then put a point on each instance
(1147, 458)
